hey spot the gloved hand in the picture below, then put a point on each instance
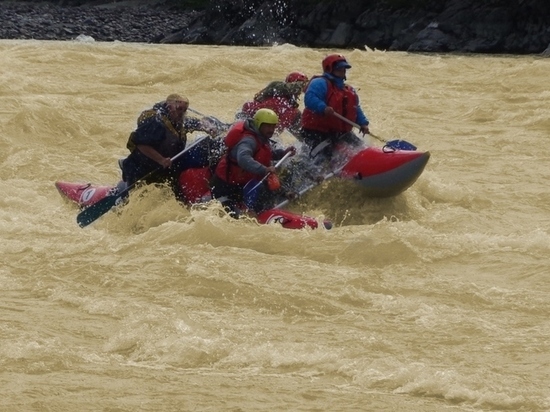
(364, 129)
(329, 111)
(290, 195)
(291, 150)
(273, 182)
(166, 163)
(319, 179)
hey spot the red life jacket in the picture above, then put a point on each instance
(228, 169)
(343, 101)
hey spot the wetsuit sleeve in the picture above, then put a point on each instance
(150, 133)
(315, 96)
(244, 153)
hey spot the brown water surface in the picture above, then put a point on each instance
(434, 300)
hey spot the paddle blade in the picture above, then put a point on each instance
(251, 191)
(95, 211)
(401, 145)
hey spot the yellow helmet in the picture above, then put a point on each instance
(265, 116)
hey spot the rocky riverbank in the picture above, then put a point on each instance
(135, 21)
(463, 26)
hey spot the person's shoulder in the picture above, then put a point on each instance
(317, 83)
(146, 115)
(247, 142)
(249, 132)
(318, 80)
(274, 88)
(274, 84)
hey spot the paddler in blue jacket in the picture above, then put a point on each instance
(161, 133)
(325, 95)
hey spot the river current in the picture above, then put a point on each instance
(433, 300)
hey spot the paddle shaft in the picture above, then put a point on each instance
(98, 209)
(276, 166)
(200, 139)
(348, 121)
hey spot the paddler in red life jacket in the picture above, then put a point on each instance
(249, 157)
(325, 95)
(281, 97)
(161, 133)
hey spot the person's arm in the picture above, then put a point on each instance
(243, 152)
(152, 154)
(150, 132)
(192, 124)
(208, 125)
(361, 118)
(147, 136)
(280, 153)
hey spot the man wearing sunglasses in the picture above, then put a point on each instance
(161, 134)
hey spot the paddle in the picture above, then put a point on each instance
(250, 194)
(98, 209)
(394, 144)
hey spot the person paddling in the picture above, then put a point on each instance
(249, 157)
(161, 133)
(325, 95)
(281, 97)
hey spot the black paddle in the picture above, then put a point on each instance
(394, 144)
(98, 209)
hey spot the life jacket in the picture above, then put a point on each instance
(228, 169)
(174, 140)
(343, 101)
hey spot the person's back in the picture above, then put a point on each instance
(283, 97)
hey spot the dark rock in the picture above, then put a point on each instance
(465, 26)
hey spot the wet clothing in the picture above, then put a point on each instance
(155, 129)
(288, 91)
(247, 157)
(289, 116)
(323, 91)
(283, 99)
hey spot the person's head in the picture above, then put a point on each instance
(177, 106)
(297, 77)
(336, 64)
(265, 121)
